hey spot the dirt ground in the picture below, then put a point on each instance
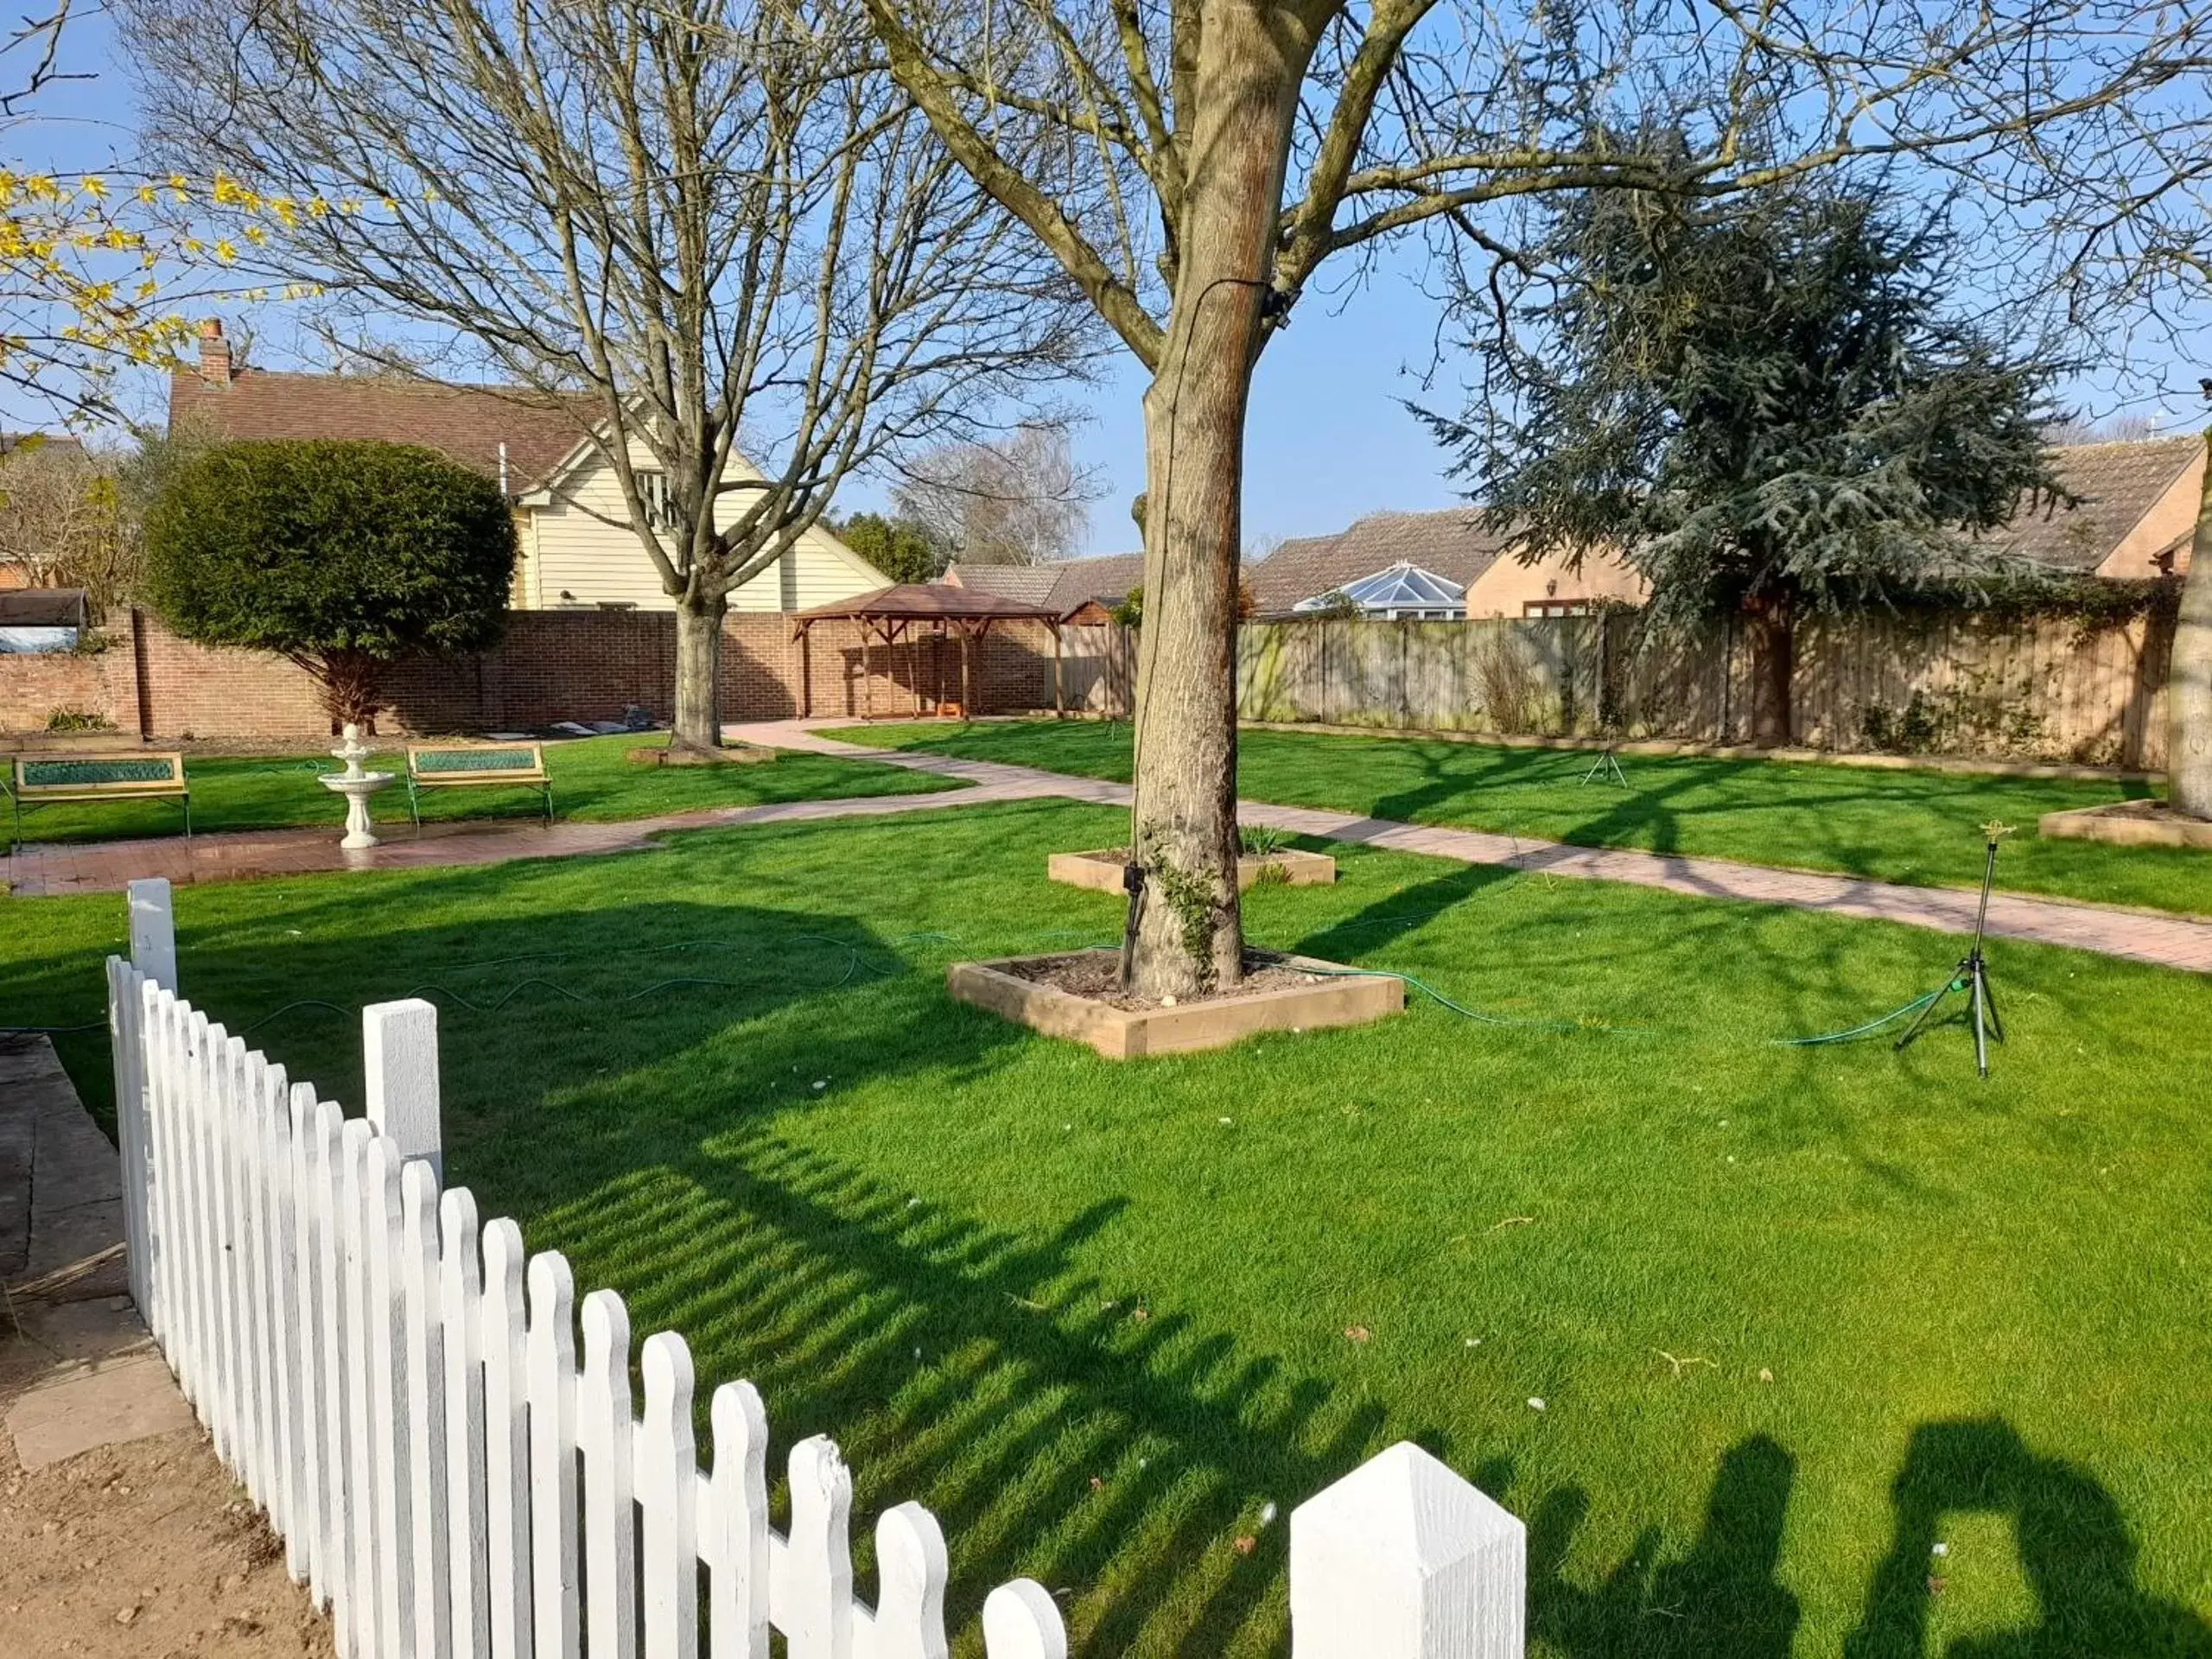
(142, 1550)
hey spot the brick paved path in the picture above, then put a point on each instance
(2165, 941)
(2138, 936)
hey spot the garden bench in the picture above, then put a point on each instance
(36, 780)
(466, 765)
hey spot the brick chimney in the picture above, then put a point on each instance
(214, 353)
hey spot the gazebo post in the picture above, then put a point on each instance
(806, 670)
(868, 672)
(967, 678)
(1060, 702)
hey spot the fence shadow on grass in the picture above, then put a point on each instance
(1054, 1425)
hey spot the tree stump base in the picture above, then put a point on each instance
(2128, 823)
(1071, 995)
(673, 753)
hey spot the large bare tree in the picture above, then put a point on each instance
(707, 216)
(1020, 501)
(1212, 155)
(62, 522)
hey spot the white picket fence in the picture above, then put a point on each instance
(399, 1386)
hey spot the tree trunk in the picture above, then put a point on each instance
(1770, 626)
(1185, 936)
(2189, 684)
(699, 672)
(351, 688)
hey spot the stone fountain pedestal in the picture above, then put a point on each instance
(356, 785)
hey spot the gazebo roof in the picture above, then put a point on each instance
(928, 602)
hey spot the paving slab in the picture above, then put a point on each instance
(60, 1187)
(110, 1403)
(77, 1368)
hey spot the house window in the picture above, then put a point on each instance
(1555, 608)
(660, 506)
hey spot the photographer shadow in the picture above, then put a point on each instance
(2074, 1546)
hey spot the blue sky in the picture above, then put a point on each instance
(1328, 438)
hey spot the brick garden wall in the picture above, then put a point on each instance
(33, 689)
(552, 665)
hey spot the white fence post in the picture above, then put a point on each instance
(604, 1422)
(1022, 1621)
(506, 1444)
(399, 1074)
(550, 1370)
(126, 1044)
(460, 1295)
(819, 1556)
(430, 1542)
(668, 1490)
(1402, 1559)
(737, 1588)
(153, 931)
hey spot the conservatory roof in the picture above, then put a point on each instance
(1400, 587)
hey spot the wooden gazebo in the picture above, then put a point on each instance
(886, 616)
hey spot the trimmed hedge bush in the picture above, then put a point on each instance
(341, 555)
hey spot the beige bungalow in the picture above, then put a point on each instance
(577, 550)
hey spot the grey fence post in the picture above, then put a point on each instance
(153, 931)
(1402, 1558)
(399, 1066)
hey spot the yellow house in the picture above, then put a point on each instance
(571, 555)
(577, 550)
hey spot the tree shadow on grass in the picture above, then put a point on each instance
(2074, 1545)
(1400, 912)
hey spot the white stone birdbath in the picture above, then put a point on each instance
(356, 786)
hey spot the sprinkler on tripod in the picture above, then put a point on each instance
(1971, 974)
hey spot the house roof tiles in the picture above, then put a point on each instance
(2117, 484)
(1451, 543)
(1067, 586)
(467, 424)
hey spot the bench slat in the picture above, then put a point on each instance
(146, 771)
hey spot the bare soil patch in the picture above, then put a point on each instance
(143, 1551)
(1096, 976)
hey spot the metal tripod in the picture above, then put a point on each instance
(1607, 768)
(1971, 974)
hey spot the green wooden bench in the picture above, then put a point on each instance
(475, 766)
(36, 780)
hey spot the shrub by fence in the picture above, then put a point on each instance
(400, 1385)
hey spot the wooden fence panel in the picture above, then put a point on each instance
(2046, 688)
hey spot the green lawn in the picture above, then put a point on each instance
(1920, 826)
(1096, 1315)
(591, 781)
